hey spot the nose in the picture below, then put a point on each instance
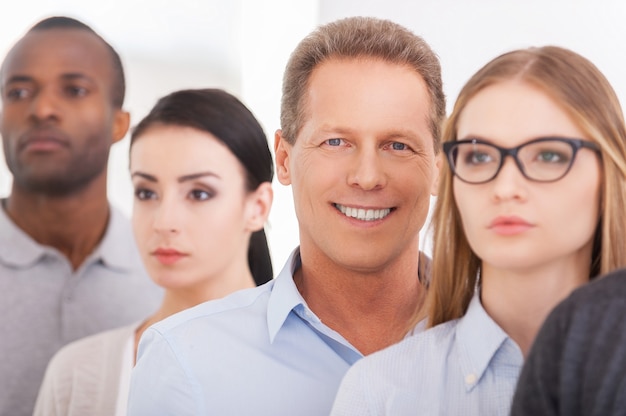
(509, 183)
(367, 170)
(45, 105)
(167, 216)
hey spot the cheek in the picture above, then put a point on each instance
(468, 203)
(313, 174)
(89, 121)
(140, 221)
(422, 175)
(583, 208)
(216, 220)
(312, 186)
(585, 189)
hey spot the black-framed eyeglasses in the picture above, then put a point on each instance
(546, 159)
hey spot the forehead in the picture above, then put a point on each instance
(368, 92)
(183, 148)
(340, 74)
(50, 53)
(517, 110)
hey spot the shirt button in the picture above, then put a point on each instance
(470, 379)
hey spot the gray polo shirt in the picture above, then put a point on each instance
(44, 304)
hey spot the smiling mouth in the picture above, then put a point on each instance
(363, 214)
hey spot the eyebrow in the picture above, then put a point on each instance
(328, 129)
(389, 135)
(70, 76)
(19, 78)
(181, 179)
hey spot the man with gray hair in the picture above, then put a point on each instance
(361, 112)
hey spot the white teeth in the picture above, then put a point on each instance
(364, 214)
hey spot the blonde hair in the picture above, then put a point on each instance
(358, 37)
(586, 95)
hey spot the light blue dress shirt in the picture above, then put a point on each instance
(467, 367)
(259, 351)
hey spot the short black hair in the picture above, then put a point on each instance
(118, 90)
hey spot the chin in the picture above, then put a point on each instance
(363, 261)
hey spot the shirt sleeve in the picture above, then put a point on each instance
(538, 387)
(352, 397)
(159, 384)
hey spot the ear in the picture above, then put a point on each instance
(282, 150)
(258, 206)
(121, 123)
(436, 174)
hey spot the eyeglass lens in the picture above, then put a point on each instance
(545, 161)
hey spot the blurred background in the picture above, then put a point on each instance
(242, 46)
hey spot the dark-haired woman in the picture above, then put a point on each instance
(201, 170)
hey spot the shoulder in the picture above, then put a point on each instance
(567, 364)
(89, 350)
(239, 305)
(17, 249)
(83, 364)
(610, 286)
(603, 298)
(84, 373)
(587, 322)
(416, 351)
(409, 369)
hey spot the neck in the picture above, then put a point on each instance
(519, 301)
(370, 310)
(72, 224)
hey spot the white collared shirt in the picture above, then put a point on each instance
(467, 367)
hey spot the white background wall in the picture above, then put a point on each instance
(243, 45)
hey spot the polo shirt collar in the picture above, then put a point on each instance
(479, 339)
(18, 249)
(117, 249)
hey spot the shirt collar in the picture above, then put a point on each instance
(18, 248)
(284, 296)
(285, 299)
(116, 250)
(479, 339)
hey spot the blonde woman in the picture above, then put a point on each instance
(529, 209)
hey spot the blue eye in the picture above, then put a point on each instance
(333, 142)
(477, 158)
(549, 156)
(399, 146)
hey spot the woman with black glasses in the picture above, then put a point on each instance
(530, 208)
